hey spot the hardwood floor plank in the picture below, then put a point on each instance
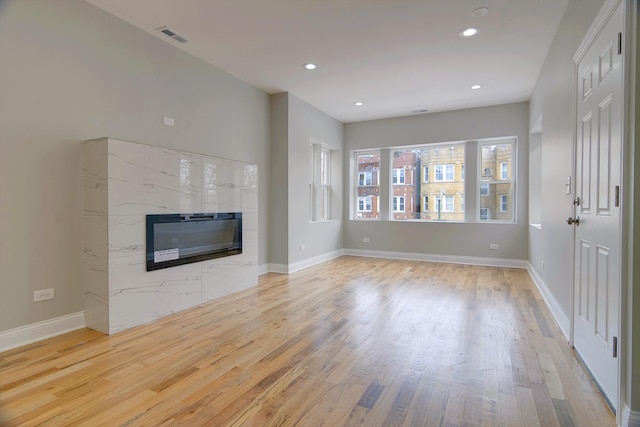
(353, 341)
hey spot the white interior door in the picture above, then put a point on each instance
(597, 234)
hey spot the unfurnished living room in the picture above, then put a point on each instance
(306, 213)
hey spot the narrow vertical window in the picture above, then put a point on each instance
(367, 190)
(496, 183)
(325, 183)
(319, 182)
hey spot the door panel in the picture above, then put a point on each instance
(597, 236)
(584, 165)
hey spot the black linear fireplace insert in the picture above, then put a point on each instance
(175, 239)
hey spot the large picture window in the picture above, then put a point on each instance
(428, 182)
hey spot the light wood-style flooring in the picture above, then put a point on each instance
(354, 341)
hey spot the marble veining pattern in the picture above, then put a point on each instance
(125, 181)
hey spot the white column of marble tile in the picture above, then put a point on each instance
(148, 180)
(95, 275)
(124, 182)
(228, 188)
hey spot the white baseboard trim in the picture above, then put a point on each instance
(630, 418)
(278, 268)
(28, 334)
(556, 310)
(263, 269)
(319, 259)
(449, 259)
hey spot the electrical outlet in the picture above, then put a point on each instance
(302, 248)
(168, 121)
(42, 295)
(365, 240)
(494, 246)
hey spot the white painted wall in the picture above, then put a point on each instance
(71, 72)
(294, 126)
(278, 230)
(553, 100)
(307, 124)
(462, 240)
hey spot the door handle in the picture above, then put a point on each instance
(572, 221)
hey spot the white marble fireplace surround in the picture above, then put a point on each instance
(124, 181)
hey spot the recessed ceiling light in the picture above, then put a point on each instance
(475, 87)
(358, 103)
(481, 11)
(469, 32)
(310, 66)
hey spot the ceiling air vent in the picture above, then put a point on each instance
(177, 37)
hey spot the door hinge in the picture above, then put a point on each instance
(615, 346)
(619, 43)
(617, 196)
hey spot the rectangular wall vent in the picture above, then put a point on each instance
(177, 37)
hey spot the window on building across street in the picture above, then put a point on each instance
(444, 203)
(365, 178)
(444, 172)
(398, 204)
(504, 170)
(398, 176)
(364, 204)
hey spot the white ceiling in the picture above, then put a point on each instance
(394, 55)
